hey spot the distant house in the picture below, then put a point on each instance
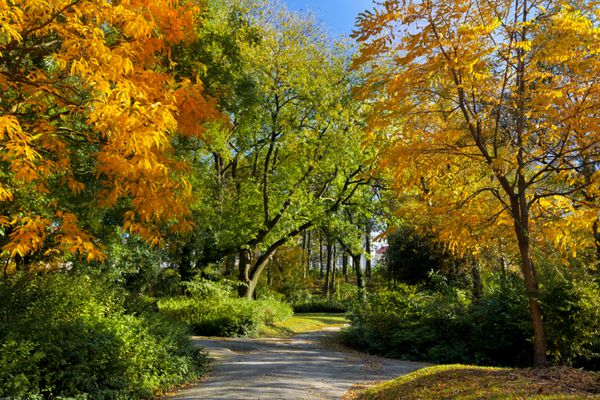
(379, 254)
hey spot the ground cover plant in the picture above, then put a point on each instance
(304, 322)
(462, 382)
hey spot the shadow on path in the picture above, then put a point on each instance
(302, 367)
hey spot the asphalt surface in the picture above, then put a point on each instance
(303, 367)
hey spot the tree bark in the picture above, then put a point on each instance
(308, 253)
(345, 267)
(477, 283)
(596, 231)
(244, 267)
(326, 284)
(360, 282)
(251, 267)
(368, 251)
(333, 268)
(230, 264)
(321, 266)
(186, 267)
(305, 246)
(533, 293)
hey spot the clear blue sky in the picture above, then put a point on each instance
(337, 15)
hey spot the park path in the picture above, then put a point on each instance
(302, 367)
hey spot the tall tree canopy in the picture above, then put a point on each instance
(492, 111)
(291, 150)
(88, 113)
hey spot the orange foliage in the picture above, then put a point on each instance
(98, 62)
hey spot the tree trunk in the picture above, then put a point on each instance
(333, 269)
(345, 267)
(326, 285)
(250, 269)
(596, 231)
(244, 267)
(230, 265)
(477, 283)
(533, 293)
(321, 266)
(186, 267)
(368, 252)
(360, 282)
(305, 246)
(308, 254)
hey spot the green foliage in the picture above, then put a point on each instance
(304, 301)
(321, 305)
(446, 326)
(133, 263)
(214, 309)
(412, 255)
(571, 304)
(69, 335)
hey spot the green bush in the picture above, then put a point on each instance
(68, 335)
(571, 305)
(317, 305)
(446, 326)
(214, 309)
(304, 301)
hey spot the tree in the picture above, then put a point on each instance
(496, 108)
(88, 114)
(290, 153)
(411, 255)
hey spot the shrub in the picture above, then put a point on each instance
(571, 305)
(68, 335)
(316, 305)
(213, 309)
(444, 326)
(438, 326)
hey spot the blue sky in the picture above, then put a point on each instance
(338, 15)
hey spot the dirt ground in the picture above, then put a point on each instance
(306, 366)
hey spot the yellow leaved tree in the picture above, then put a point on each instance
(491, 112)
(89, 110)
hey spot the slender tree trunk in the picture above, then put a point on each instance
(326, 285)
(477, 283)
(186, 267)
(304, 252)
(345, 261)
(368, 251)
(596, 230)
(360, 282)
(308, 253)
(230, 264)
(533, 294)
(333, 268)
(321, 266)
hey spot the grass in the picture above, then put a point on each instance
(468, 383)
(300, 323)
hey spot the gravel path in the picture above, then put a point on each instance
(303, 367)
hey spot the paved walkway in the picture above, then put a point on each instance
(303, 367)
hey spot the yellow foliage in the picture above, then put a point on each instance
(482, 108)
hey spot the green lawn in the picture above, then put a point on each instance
(300, 323)
(469, 383)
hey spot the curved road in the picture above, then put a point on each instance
(302, 367)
